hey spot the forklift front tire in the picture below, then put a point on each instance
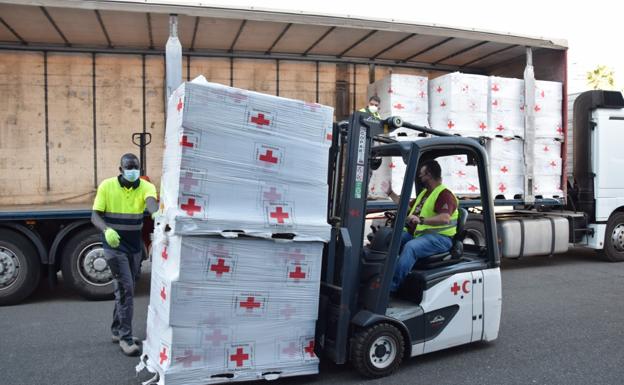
(377, 351)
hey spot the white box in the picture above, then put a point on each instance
(402, 95)
(194, 304)
(214, 354)
(231, 262)
(506, 106)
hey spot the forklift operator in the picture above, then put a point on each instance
(431, 222)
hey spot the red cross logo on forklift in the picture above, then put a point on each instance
(456, 288)
(163, 355)
(260, 120)
(268, 157)
(250, 304)
(240, 357)
(190, 207)
(220, 267)
(279, 215)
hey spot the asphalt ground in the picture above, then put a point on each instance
(562, 323)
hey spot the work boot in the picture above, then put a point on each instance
(130, 348)
(115, 339)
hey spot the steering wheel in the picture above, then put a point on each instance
(390, 217)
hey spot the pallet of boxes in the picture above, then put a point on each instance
(238, 246)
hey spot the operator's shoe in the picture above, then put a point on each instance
(130, 348)
(115, 339)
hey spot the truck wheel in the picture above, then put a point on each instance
(475, 232)
(377, 351)
(614, 238)
(20, 268)
(84, 267)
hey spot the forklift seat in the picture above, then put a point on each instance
(457, 248)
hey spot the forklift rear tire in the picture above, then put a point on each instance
(377, 351)
(614, 238)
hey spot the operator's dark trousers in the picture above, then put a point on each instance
(126, 269)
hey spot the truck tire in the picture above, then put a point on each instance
(475, 232)
(614, 238)
(377, 351)
(20, 268)
(84, 267)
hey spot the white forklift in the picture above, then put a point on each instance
(448, 299)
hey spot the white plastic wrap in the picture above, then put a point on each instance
(458, 103)
(244, 161)
(548, 109)
(231, 262)
(402, 95)
(506, 166)
(235, 352)
(460, 178)
(506, 106)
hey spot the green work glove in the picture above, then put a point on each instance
(112, 238)
(154, 215)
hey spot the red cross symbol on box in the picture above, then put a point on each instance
(450, 124)
(164, 254)
(472, 188)
(296, 255)
(422, 94)
(272, 195)
(250, 304)
(190, 207)
(291, 350)
(220, 267)
(268, 157)
(185, 143)
(329, 136)
(465, 88)
(443, 104)
(163, 294)
(522, 107)
(502, 187)
(279, 214)
(546, 149)
(260, 120)
(553, 164)
(373, 189)
(297, 274)
(288, 311)
(220, 251)
(460, 173)
(495, 102)
(439, 89)
(504, 169)
(500, 127)
(310, 348)
(240, 357)
(559, 130)
(495, 87)
(482, 126)
(399, 106)
(180, 105)
(216, 337)
(390, 90)
(537, 108)
(163, 355)
(187, 181)
(188, 358)
(392, 165)
(542, 94)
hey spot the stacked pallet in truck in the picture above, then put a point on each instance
(238, 245)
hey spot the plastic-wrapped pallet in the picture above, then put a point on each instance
(459, 177)
(402, 95)
(225, 353)
(458, 103)
(506, 166)
(506, 106)
(548, 109)
(268, 154)
(548, 168)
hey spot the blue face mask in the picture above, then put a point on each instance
(131, 175)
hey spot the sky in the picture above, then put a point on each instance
(591, 32)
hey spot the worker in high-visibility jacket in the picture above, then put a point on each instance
(431, 222)
(118, 212)
(373, 107)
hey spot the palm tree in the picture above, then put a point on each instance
(601, 78)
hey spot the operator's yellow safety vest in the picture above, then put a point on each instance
(123, 208)
(428, 211)
(374, 114)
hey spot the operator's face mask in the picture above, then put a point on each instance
(372, 108)
(130, 170)
(131, 175)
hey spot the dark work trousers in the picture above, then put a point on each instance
(126, 269)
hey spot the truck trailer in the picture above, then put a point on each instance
(81, 78)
